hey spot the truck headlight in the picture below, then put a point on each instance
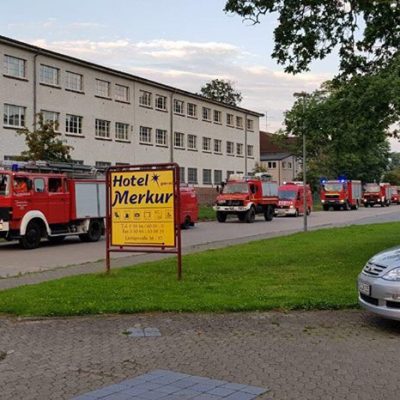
(378, 200)
(393, 275)
(291, 206)
(322, 201)
(342, 201)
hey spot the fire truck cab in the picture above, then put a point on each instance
(36, 205)
(291, 199)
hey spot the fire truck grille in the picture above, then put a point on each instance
(332, 196)
(373, 269)
(234, 203)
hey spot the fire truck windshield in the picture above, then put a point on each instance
(372, 188)
(287, 194)
(237, 187)
(4, 185)
(333, 187)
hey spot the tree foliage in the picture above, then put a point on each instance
(222, 91)
(365, 32)
(44, 143)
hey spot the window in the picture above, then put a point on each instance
(289, 165)
(102, 88)
(145, 98)
(229, 119)
(271, 164)
(191, 110)
(250, 150)
(14, 116)
(207, 177)
(120, 164)
(121, 93)
(102, 128)
(192, 175)
(239, 149)
(230, 148)
(178, 107)
(229, 173)
(73, 124)
(250, 124)
(182, 174)
(15, 67)
(217, 146)
(102, 164)
(239, 122)
(217, 177)
(179, 140)
(55, 185)
(161, 137)
(121, 131)
(74, 81)
(52, 117)
(192, 142)
(49, 75)
(206, 144)
(161, 102)
(217, 116)
(145, 134)
(38, 185)
(206, 114)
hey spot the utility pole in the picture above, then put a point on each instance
(304, 179)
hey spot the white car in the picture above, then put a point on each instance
(379, 284)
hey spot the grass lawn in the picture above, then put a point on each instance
(316, 270)
(206, 213)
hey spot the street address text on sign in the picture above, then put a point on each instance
(142, 208)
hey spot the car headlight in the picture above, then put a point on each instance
(393, 275)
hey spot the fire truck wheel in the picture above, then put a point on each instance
(94, 232)
(221, 216)
(32, 236)
(186, 224)
(326, 208)
(347, 207)
(250, 215)
(269, 213)
(241, 216)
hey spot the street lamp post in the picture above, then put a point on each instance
(305, 209)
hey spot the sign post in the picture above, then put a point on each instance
(143, 210)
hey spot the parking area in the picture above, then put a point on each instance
(296, 355)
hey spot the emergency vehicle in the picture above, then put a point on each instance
(189, 206)
(291, 199)
(246, 196)
(341, 194)
(375, 193)
(395, 195)
(38, 202)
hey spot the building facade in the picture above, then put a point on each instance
(111, 117)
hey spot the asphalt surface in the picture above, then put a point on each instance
(340, 355)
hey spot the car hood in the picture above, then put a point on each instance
(389, 258)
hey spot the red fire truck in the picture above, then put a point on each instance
(395, 194)
(46, 204)
(189, 206)
(291, 199)
(341, 194)
(247, 196)
(375, 193)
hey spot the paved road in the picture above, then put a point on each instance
(15, 261)
(340, 355)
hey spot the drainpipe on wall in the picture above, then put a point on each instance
(171, 128)
(245, 144)
(279, 172)
(35, 89)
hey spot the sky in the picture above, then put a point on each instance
(182, 43)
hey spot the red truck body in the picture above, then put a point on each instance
(245, 197)
(375, 193)
(395, 195)
(50, 205)
(340, 194)
(291, 199)
(189, 206)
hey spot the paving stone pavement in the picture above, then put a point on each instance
(298, 355)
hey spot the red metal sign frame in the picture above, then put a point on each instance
(145, 248)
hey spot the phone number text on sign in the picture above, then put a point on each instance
(143, 208)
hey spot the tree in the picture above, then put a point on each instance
(392, 176)
(310, 30)
(44, 144)
(222, 91)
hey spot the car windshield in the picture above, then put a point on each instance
(372, 188)
(286, 194)
(238, 187)
(333, 187)
(4, 185)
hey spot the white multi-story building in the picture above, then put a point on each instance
(111, 117)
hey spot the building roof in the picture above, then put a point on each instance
(267, 144)
(274, 156)
(88, 64)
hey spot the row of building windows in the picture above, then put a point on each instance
(209, 176)
(14, 116)
(49, 75)
(191, 110)
(285, 165)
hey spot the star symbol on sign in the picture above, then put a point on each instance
(154, 178)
